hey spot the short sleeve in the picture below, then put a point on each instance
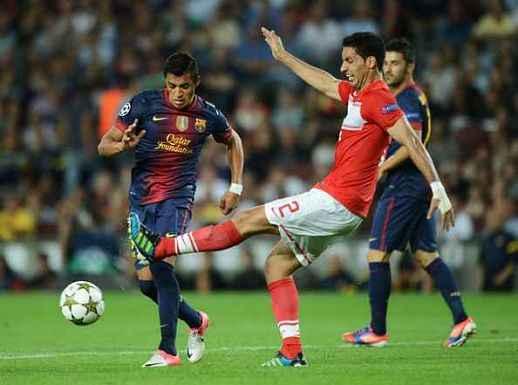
(221, 130)
(381, 108)
(129, 111)
(413, 111)
(344, 90)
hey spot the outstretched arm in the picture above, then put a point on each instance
(235, 156)
(315, 77)
(404, 134)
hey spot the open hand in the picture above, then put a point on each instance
(447, 216)
(228, 202)
(274, 42)
(130, 138)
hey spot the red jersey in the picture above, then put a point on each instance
(362, 141)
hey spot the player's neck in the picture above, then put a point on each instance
(369, 78)
(402, 86)
(189, 105)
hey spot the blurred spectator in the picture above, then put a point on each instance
(45, 278)
(89, 237)
(361, 20)
(456, 25)
(499, 256)
(411, 276)
(318, 27)
(495, 23)
(207, 277)
(337, 277)
(249, 276)
(8, 279)
(17, 221)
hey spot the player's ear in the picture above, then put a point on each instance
(411, 67)
(371, 62)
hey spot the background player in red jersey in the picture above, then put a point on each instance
(335, 206)
(167, 128)
(400, 216)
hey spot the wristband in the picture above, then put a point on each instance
(439, 192)
(437, 188)
(236, 188)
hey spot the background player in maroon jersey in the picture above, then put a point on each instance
(399, 220)
(167, 128)
(335, 206)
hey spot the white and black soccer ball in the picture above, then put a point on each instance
(82, 303)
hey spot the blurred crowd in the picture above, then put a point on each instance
(67, 66)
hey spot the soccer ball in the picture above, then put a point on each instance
(82, 303)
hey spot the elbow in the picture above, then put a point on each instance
(100, 149)
(235, 140)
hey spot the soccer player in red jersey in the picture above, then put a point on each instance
(337, 205)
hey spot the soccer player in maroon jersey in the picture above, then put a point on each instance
(335, 206)
(168, 128)
(399, 220)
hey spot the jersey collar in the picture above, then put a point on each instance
(378, 83)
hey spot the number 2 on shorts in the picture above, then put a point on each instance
(293, 206)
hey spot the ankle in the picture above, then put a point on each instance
(291, 347)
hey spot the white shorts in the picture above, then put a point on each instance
(308, 222)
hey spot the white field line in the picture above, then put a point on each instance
(30, 356)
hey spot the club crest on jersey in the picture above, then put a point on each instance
(388, 108)
(125, 109)
(200, 125)
(182, 123)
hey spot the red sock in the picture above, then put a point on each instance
(208, 238)
(285, 305)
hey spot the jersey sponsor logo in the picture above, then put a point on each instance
(175, 143)
(125, 109)
(353, 121)
(158, 118)
(200, 125)
(388, 108)
(182, 123)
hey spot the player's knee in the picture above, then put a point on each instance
(425, 258)
(252, 221)
(171, 260)
(270, 267)
(148, 288)
(144, 274)
(278, 267)
(378, 256)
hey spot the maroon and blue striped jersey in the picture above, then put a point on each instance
(406, 176)
(167, 156)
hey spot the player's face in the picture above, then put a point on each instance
(181, 89)
(354, 68)
(395, 68)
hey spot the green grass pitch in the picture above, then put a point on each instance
(38, 346)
